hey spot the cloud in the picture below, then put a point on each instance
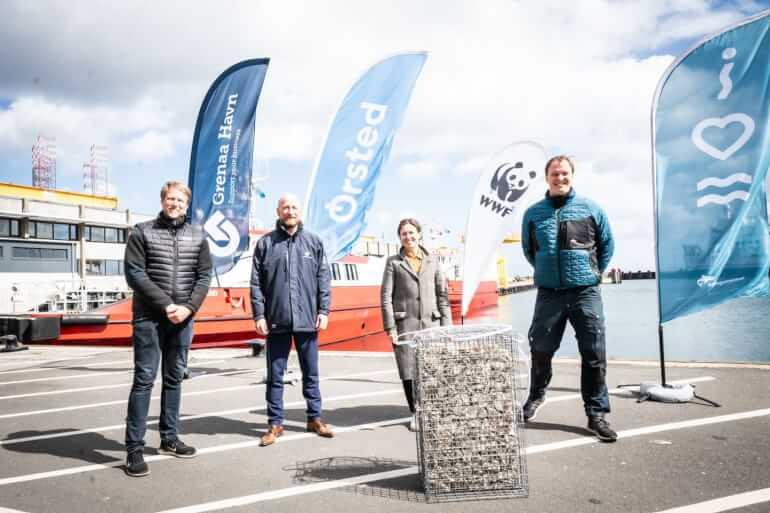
(148, 146)
(420, 170)
(577, 77)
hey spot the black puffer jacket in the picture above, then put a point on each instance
(167, 262)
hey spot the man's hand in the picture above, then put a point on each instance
(322, 322)
(393, 334)
(261, 325)
(177, 313)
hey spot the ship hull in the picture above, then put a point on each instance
(225, 319)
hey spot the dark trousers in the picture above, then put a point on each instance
(157, 341)
(582, 307)
(278, 346)
(409, 393)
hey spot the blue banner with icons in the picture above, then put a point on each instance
(711, 156)
(221, 161)
(343, 183)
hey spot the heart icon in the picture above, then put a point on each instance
(738, 117)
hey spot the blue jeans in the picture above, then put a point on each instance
(582, 306)
(278, 346)
(155, 341)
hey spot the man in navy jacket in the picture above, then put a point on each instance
(567, 238)
(290, 298)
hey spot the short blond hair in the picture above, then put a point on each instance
(175, 185)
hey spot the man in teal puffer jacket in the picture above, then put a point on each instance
(567, 239)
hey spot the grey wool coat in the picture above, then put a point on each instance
(413, 302)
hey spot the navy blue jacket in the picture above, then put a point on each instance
(569, 246)
(290, 281)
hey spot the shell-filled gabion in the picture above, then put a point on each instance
(469, 440)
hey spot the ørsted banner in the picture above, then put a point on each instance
(503, 188)
(710, 159)
(220, 165)
(343, 182)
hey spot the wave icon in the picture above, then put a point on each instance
(724, 199)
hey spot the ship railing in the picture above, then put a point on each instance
(68, 296)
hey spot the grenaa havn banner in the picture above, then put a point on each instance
(221, 161)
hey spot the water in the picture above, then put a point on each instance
(737, 331)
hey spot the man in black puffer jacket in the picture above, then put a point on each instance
(168, 266)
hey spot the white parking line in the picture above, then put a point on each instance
(221, 413)
(116, 385)
(61, 378)
(64, 367)
(312, 488)
(724, 503)
(156, 397)
(289, 492)
(220, 448)
(8, 510)
(575, 442)
(26, 360)
(87, 375)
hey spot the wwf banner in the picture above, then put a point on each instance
(221, 161)
(710, 161)
(504, 185)
(357, 146)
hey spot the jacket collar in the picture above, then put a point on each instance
(405, 264)
(279, 228)
(560, 201)
(165, 222)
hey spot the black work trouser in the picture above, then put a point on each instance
(582, 307)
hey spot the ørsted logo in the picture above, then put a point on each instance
(221, 231)
(509, 183)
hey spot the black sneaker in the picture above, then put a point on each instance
(135, 465)
(530, 408)
(177, 448)
(601, 428)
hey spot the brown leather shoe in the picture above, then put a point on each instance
(319, 428)
(274, 431)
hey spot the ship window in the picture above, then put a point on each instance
(336, 271)
(104, 267)
(351, 271)
(112, 267)
(26, 252)
(97, 234)
(42, 253)
(64, 231)
(41, 230)
(94, 267)
(53, 254)
(9, 227)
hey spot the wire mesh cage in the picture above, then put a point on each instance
(471, 382)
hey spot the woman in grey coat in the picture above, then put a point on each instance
(414, 297)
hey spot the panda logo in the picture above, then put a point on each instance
(511, 181)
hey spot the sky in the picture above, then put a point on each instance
(577, 77)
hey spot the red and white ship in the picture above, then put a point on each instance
(60, 250)
(225, 319)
